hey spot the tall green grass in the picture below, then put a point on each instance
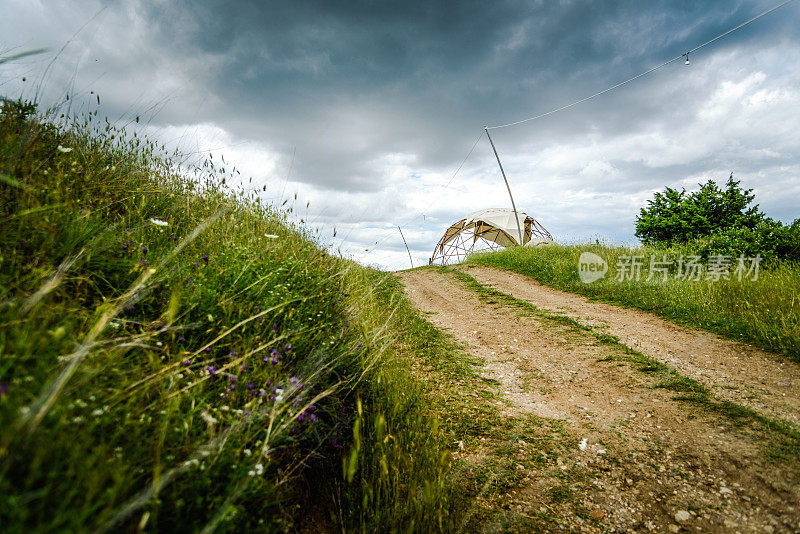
(175, 355)
(764, 312)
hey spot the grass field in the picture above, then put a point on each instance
(176, 356)
(764, 312)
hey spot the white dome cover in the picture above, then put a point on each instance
(494, 228)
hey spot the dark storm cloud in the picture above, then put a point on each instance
(347, 81)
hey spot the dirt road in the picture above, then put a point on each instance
(639, 459)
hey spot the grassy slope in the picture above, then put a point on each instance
(218, 371)
(765, 312)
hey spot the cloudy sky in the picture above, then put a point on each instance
(365, 110)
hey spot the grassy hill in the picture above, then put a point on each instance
(175, 355)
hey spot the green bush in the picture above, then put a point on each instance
(770, 239)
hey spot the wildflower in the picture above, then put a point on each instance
(181, 339)
(257, 470)
(251, 386)
(233, 354)
(124, 247)
(196, 265)
(205, 258)
(144, 249)
(232, 378)
(4, 388)
(174, 238)
(187, 362)
(287, 347)
(159, 222)
(143, 262)
(247, 452)
(211, 370)
(270, 236)
(207, 349)
(207, 418)
(273, 361)
(64, 149)
(312, 418)
(274, 352)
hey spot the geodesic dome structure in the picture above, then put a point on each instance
(484, 230)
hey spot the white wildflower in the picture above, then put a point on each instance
(64, 149)
(98, 412)
(159, 222)
(247, 452)
(208, 418)
(270, 236)
(257, 470)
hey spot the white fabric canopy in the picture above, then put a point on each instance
(495, 226)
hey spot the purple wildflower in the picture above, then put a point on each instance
(4, 388)
(274, 352)
(251, 386)
(144, 249)
(187, 362)
(207, 349)
(143, 262)
(174, 238)
(247, 413)
(205, 258)
(272, 398)
(196, 265)
(312, 418)
(124, 247)
(232, 378)
(211, 370)
(233, 354)
(181, 339)
(287, 347)
(273, 361)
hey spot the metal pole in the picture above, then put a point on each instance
(406, 244)
(516, 217)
